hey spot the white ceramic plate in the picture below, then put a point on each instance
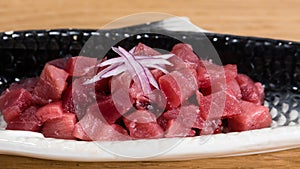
(240, 143)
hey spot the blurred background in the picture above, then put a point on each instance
(267, 18)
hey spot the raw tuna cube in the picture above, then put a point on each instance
(59, 63)
(178, 64)
(119, 129)
(61, 127)
(135, 92)
(78, 96)
(27, 84)
(261, 91)
(109, 111)
(218, 105)
(51, 85)
(154, 102)
(230, 72)
(144, 50)
(234, 87)
(176, 129)
(212, 74)
(178, 86)
(79, 133)
(231, 86)
(55, 76)
(44, 93)
(186, 53)
(163, 122)
(95, 128)
(253, 117)
(102, 86)
(180, 121)
(157, 73)
(26, 121)
(50, 111)
(211, 126)
(80, 65)
(67, 100)
(145, 130)
(250, 91)
(119, 99)
(142, 124)
(13, 102)
(140, 116)
(188, 116)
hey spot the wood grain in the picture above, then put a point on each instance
(268, 18)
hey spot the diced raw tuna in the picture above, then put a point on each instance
(140, 116)
(61, 127)
(186, 53)
(176, 129)
(119, 129)
(177, 64)
(163, 122)
(261, 91)
(154, 102)
(230, 72)
(59, 63)
(234, 87)
(119, 98)
(95, 128)
(42, 93)
(145, 130)
(53, 75)
(67, 100)
(188, 115)
(25, 121)
(52, 83)
(78, 96)
(13, 102)
(215, 75)
(212, 126)
(109, 111)
(79, 133)
(231, 86)
(102, 86)
(180, 121)
(115, 108)
(218, 105)
(27, 84)
(144, 50)
(178, 86)
(50, 111)
(253, 117)
(135, 91)
(157, 73)
(250, 91)
(142, 124)
(80, 65)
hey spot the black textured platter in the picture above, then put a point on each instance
(274, 63)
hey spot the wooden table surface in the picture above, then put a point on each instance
(270, 18)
